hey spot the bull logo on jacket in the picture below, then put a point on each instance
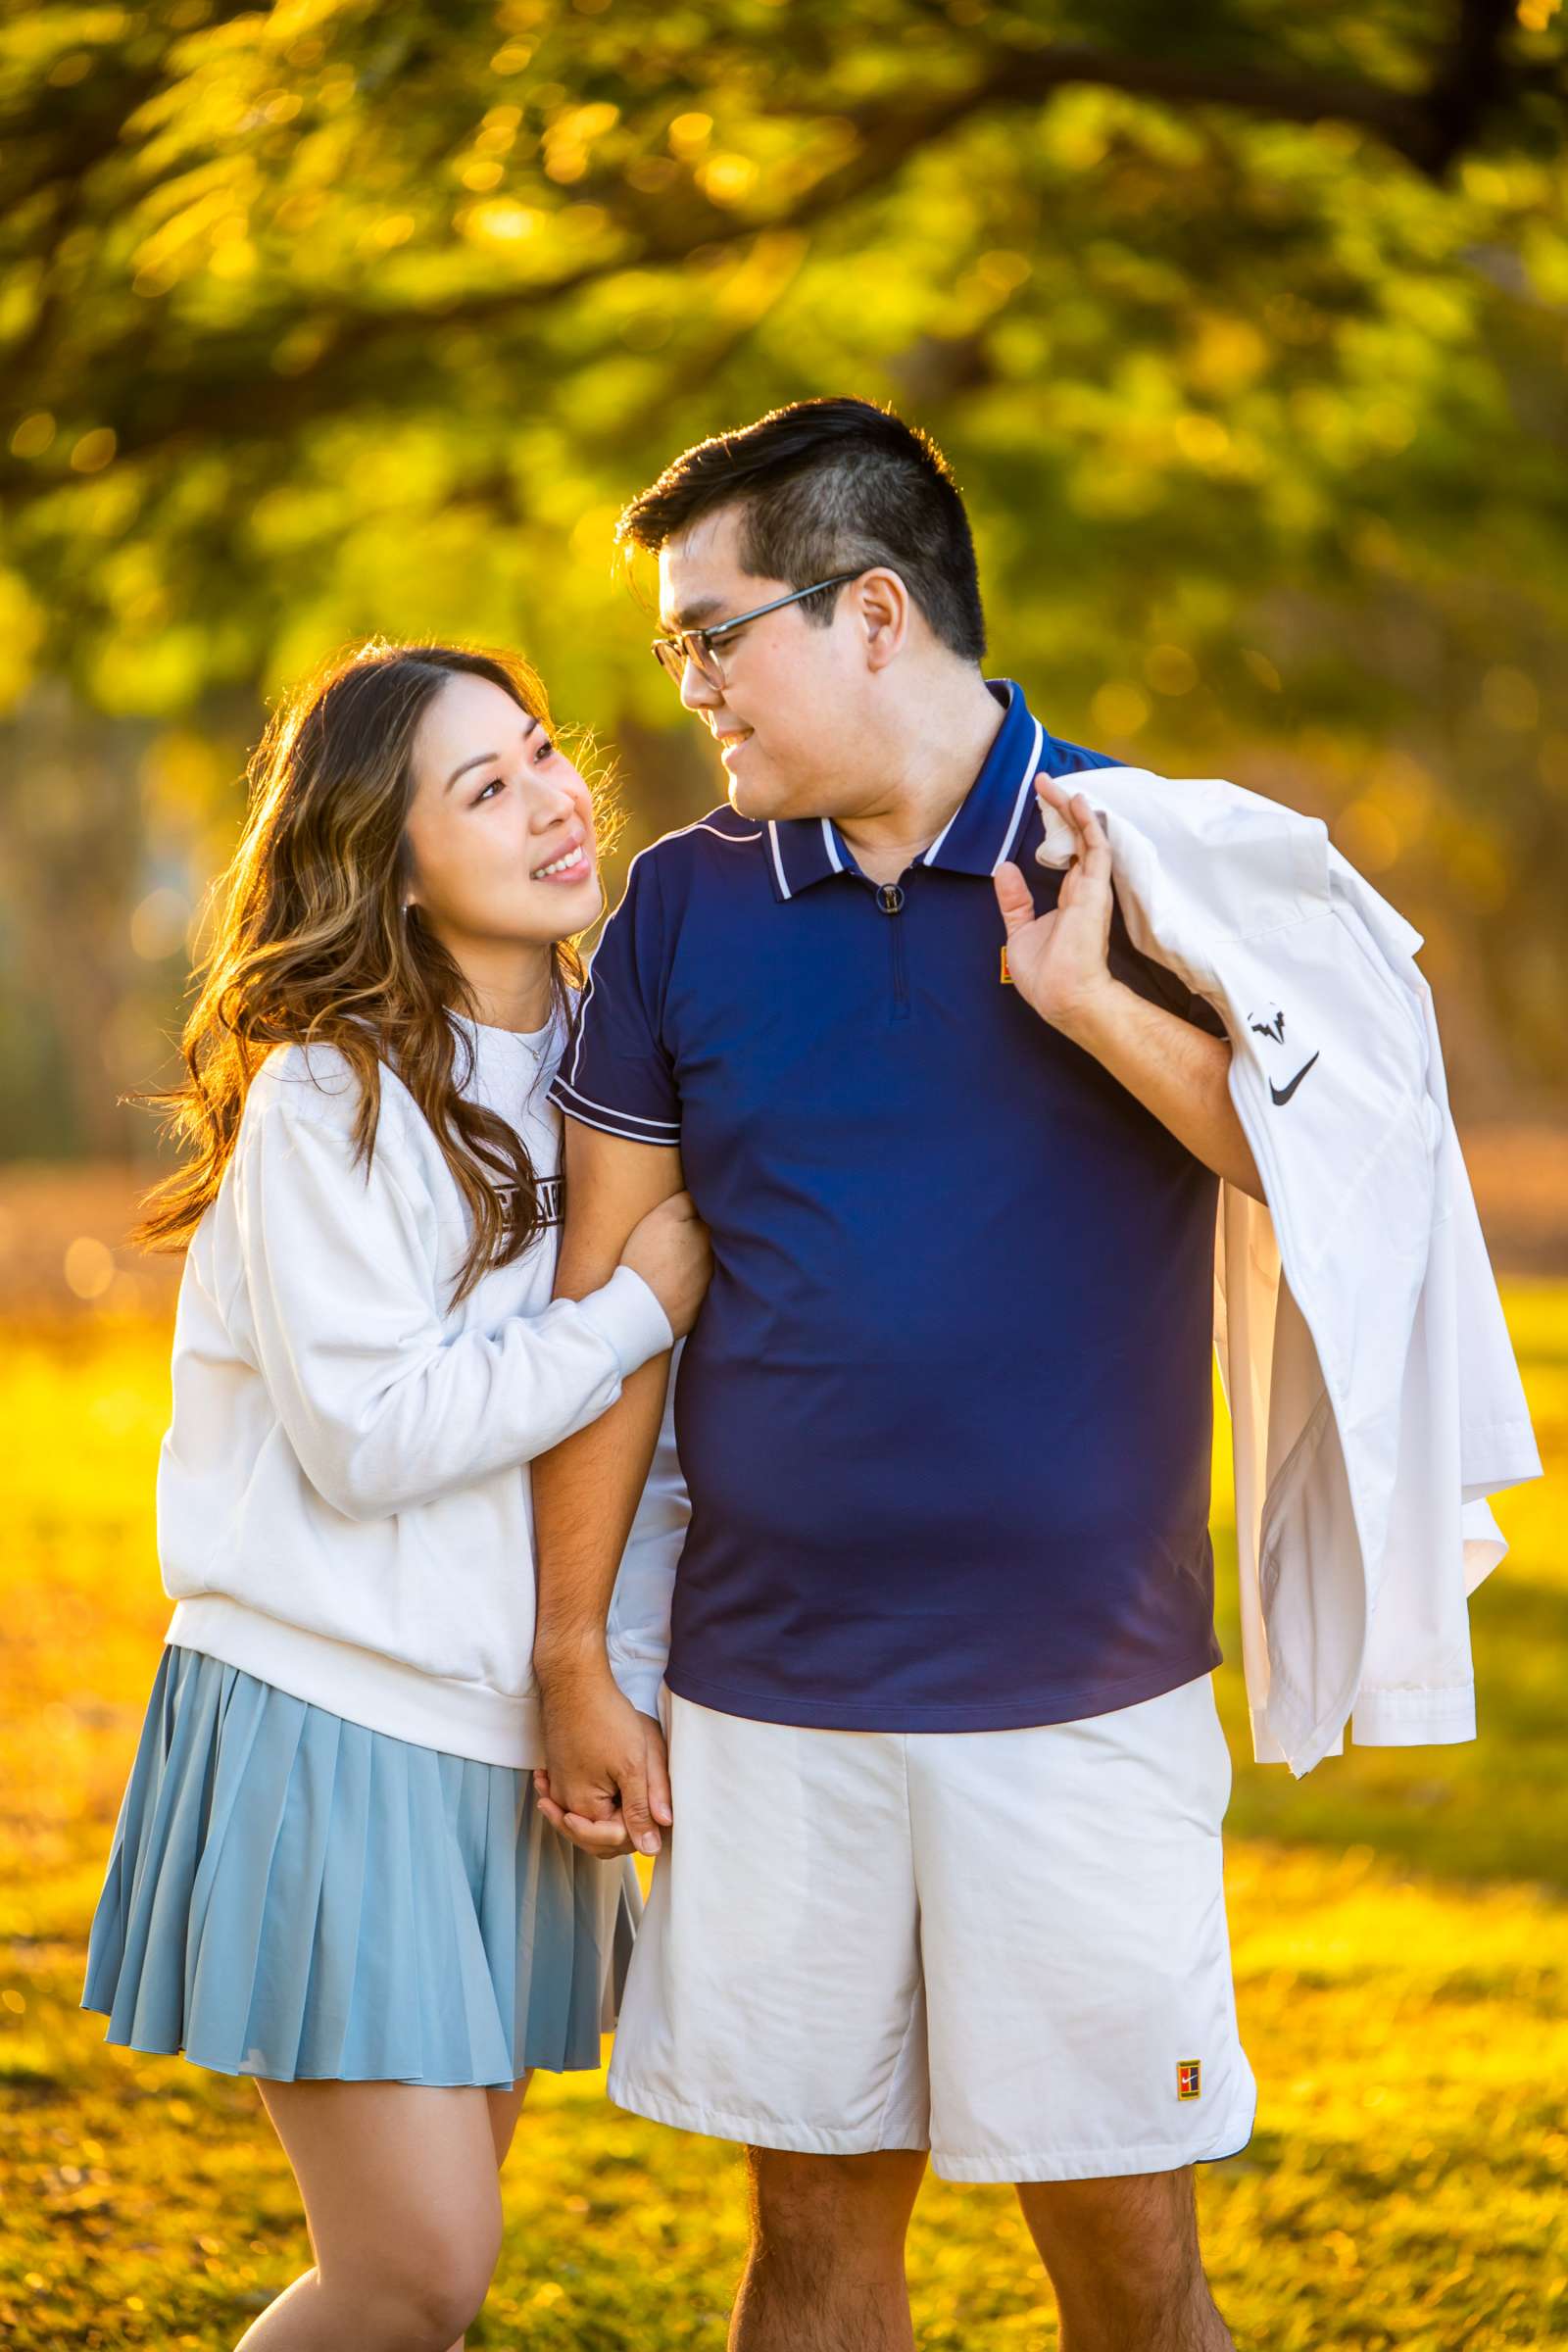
(1269, 1024)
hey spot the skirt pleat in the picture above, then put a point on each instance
(150, 1999)
(321, 2033)
(561, 1999)
(293, 1895)
(288, 1791)
(237, 1969)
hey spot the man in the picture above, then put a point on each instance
(946, 1771)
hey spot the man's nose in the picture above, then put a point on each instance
(697, 689)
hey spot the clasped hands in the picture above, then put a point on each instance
(605, 1783)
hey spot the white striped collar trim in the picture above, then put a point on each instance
(929, 851)
(778, 862)
(929, 857)
(1031, 769)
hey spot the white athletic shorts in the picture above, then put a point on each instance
(1006, 1946)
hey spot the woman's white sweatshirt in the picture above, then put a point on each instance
(344, 1507)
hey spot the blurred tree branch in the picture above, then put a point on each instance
(161, 388)
(1431, 128)
(1244, 328)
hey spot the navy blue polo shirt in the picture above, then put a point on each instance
(946, 1414)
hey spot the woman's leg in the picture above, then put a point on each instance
(403, 2201)
(504, 2108)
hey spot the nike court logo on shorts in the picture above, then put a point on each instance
(1283, 1094)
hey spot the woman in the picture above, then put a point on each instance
(329, 1870)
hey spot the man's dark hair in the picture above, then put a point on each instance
(827, 486)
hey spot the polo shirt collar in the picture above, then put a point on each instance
(981, 832)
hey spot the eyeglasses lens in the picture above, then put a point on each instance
(676, 652)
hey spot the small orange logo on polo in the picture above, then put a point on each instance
(1190, 2079)
(1007, 976)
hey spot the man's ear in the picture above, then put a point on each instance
(884, 607)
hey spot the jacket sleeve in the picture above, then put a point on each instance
(1417, 1681)
(382, 1407)
(1465, 1434)
(638, 1631)
(1498, 1446)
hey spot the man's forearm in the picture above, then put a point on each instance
(585, 1497)
(1178, 1071)
(586, 1490)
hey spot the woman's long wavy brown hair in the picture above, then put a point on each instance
(313, 945)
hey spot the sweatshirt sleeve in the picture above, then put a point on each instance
(382, 1407)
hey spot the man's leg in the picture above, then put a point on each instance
(775, 1992)
(1082, 2029)
(825, 2271)
(1124, 2258)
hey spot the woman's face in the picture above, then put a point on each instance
(501, 827)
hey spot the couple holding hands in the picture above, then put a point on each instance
(885, 1626)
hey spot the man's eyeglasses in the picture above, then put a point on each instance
(697, 645)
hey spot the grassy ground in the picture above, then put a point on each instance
(1400, 1929)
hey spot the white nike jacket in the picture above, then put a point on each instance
(1374, 1398)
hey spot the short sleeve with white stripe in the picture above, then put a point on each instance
(616, 1075)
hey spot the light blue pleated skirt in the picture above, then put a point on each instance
(292, 1895)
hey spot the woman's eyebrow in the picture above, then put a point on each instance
(484, 758)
